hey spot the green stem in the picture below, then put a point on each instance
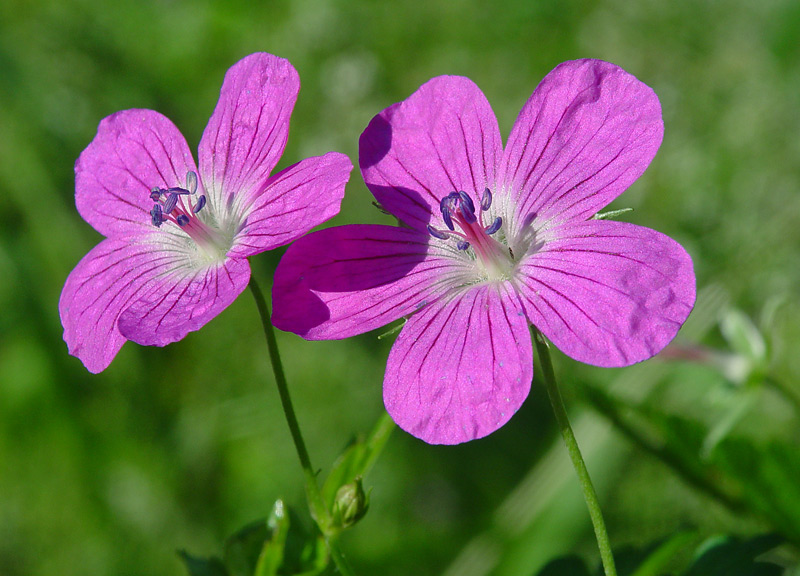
(316, 503)
(589, 493)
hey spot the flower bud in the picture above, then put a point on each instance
(350, 504)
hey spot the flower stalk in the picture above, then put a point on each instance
(589, 494)
(316, 503)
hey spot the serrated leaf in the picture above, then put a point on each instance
(196, 566)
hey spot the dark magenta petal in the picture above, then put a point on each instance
(133, 152)
(182, 301)
(444, 137)
(293, 202)
(348, 280)
(112, 275)
(461, 367)
(588, 132)
(247, 132)
(608, 293)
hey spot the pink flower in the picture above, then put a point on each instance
(494, 240)
(177, 236)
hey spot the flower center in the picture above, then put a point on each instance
(181, 206)
(458, 210)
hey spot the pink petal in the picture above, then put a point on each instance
(102, 285)
(443, 138)
(348, 280)
(182, 301)
(247, 133)
(460, 368)
(608, 293)
(588, 132)
(293, 202)
(133, 151)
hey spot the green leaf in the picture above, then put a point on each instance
(567, 566)
(243, 549)
(743, 336)
(202, 566)
(357, 459)
(271, 557)
(661, 554)
(728, 556)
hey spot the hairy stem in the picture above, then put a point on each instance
(574, 451)
(316, 504)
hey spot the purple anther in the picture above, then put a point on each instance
(467, 207)
(191, 181)
(200, 203)
(156, 216)
(155, 194)
(446, 205)
(177, 190)
(462, 245)
(486, 200)
(182, 219)
(169, 204)
(438, 233)
(495, 226)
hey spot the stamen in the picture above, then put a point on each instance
(155, 194)
(200, 203)
(467, 207)
(438, 233)
(176, 190)
(458, 209)
(486, 200)
(170, 203)
(182, 219)
(495, 226)
(191, 181)
(444, 206)
(156, 216)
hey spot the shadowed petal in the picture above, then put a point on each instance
(133, 151)
(461, 368)
(443, 138)
(608, 293)
(247, 132)
(183, 301)
(348, 280)
(293, 202)
(112, 275)
(588, 132)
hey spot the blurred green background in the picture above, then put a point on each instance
(176, 448)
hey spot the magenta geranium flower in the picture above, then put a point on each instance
(494, 240)
(177, 236)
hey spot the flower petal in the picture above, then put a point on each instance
(348, 280)
(182, 301)
(588, 132)
(443, 138)
(101, 286)
(460, 368)
(293, 202)
(608, 293)
(133, 151)
(247, 132)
